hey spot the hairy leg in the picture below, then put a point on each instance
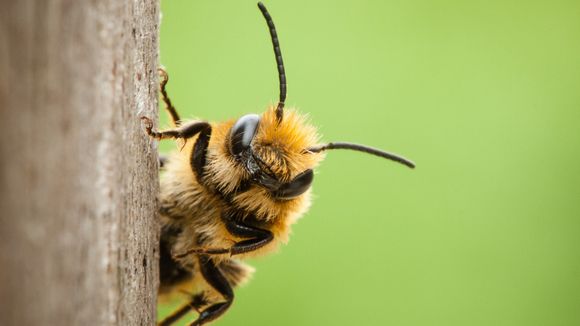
(217, 280)
(183, 132)
(168, 106)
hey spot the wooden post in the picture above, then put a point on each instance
(78, 175)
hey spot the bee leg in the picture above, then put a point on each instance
(197, 301)
(217, 280)
(256, 239)
(198, 155)
(184, 132)
(176, 315)
(168, 106)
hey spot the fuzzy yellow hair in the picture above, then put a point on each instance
(283, 146)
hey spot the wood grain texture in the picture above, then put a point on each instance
(78, 176)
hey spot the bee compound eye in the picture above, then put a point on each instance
(297, 186)
(242, 134)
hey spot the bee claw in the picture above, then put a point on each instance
(148, 124)
(163, 74)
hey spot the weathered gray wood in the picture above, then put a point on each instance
(78, 176)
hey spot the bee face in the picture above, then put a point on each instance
(274, 153)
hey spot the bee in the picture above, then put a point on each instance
(233, 191)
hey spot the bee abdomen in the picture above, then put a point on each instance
(171, 272)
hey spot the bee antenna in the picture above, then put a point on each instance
(364, 149)
(279, 62)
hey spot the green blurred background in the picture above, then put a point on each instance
(483, 95)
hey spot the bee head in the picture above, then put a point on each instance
(273, 152)
(278, 149)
